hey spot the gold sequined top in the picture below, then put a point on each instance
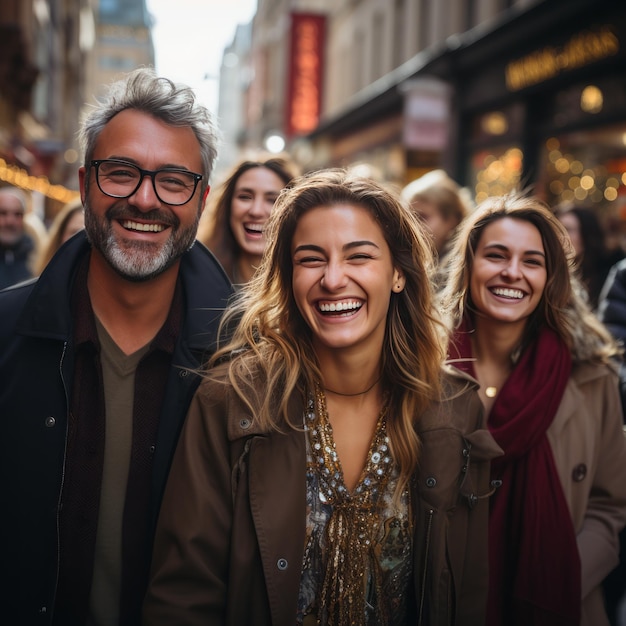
(358, 552)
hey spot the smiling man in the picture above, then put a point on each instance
(97, 362)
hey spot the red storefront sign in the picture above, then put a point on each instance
(304, 86)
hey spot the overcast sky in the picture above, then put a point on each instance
(190, 36)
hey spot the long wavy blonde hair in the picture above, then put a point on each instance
(562, 307)
(272, 341)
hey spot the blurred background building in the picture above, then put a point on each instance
(499, 93)
(55, 57)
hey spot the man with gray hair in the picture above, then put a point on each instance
(16, 246)
(98, 360)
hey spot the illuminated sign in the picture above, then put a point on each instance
(582, 49)
(304, 90)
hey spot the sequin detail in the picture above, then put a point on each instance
(357, 563)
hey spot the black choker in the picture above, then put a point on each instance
(350, 395)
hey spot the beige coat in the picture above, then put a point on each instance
(589, 449)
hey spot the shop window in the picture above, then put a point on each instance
(496, 156)
(496, 171)
(588, 168)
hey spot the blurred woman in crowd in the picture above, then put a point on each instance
(593, 258)
(543, 362)
(67, 222)
(440, 203)
(331, 470)
(233, 226)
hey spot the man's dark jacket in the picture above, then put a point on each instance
(36, 374)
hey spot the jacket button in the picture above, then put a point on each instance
(579, 472)
(282, 564)
(431, 482)
(183, 373)
(244, 423)
(43, 610)
(50, 422)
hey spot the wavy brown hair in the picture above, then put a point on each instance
(272, 339)
(562, 307)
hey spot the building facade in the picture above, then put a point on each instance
(42, 76)
(123, 42)
(236, 76)
(500, 93)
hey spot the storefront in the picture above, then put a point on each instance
(541, 104)
(535, 102)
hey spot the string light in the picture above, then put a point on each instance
(19, 177)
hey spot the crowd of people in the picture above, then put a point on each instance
(303, 398)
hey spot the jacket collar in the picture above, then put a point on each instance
(47, 312)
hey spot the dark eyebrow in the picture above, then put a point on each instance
(357, 244)
(348, 246)
(309, 247)
(166, 166)
(504, 248)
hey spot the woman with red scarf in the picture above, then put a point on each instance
(543, 362)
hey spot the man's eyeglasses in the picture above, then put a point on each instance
(119, 179)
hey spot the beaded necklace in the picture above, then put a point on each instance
(350, 562)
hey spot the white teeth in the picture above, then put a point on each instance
(340, 306)
(146, 228)
(508, 293)
(257, 228)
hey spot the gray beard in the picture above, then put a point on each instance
(141, 262)
(138, 261)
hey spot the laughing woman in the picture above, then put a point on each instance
(551, 395)
(232, 226)
(331, 470)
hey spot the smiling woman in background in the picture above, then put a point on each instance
(233, 226)
(543, 362)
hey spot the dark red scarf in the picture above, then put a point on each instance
(534, 565)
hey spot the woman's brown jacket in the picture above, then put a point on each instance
(231, 533)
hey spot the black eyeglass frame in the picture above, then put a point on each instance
(95, 163)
